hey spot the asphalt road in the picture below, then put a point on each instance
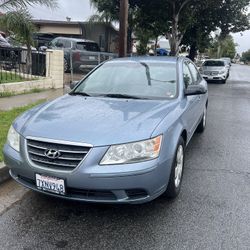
(212, 211)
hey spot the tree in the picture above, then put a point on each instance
(175, 18)
(195, 18)
(223, 47)
(19, 21)
(23, 4)
(20, 24)
(246, 56)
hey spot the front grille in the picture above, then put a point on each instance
(91, 194)
(211, 73)
(70, 155)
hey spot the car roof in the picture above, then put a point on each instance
(153, 59)
(75, 39)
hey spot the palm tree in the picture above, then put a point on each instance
(102, 17)
(20, 24)
(17, 4)
(18, 21)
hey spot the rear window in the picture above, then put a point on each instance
(87, 46)
(214, 63)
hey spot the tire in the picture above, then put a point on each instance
(202, 125)
(175, 180)
(224, 81)
(66, 66)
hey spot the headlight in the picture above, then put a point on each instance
(133, 152)
(223, 72)
(13, 139)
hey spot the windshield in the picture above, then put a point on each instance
(137, 79)
(87, 46)
(214, 63)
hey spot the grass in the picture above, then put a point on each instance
(8, 77)
(6, 119)
(9, 94)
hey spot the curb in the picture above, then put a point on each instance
(4, 173)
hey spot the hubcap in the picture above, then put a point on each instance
(65, 65)
(179, 165)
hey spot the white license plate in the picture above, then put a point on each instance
(50, 184)
(210, 78)
(91, 57)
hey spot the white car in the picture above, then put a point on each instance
(215, 70)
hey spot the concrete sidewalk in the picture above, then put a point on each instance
(4, 173)
(9, 103)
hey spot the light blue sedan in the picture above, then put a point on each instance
(118, 137)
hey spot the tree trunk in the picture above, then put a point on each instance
(29, 59)
(156, 44)
(173, 37)
(130, 41)
(106, 46)
(192, 52)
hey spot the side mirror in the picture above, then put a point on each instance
(195, 90)
(73, 84)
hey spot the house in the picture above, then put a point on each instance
(106, 35)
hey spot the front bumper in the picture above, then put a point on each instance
(219, 77)
(90, 182)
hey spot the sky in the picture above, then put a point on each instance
(80, 10)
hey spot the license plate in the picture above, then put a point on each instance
(210, 78)
(50, 184)
(91, 57)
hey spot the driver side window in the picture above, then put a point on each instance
(195, 73)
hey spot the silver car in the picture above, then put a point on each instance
(215, 70)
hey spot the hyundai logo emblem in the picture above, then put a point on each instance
(52, 153)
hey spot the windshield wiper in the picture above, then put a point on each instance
(79, 93)
(124, 96)
(147, 73)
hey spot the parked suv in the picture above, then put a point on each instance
(81, 59)
(215, 70)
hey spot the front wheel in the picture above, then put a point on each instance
(174, 184)
(202, 125)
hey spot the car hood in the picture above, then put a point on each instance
(96, 121)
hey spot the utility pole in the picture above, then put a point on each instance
(123, 34)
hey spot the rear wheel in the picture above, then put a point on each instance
(174, 184)
(66, 66)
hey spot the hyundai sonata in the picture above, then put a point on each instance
(118, 137)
